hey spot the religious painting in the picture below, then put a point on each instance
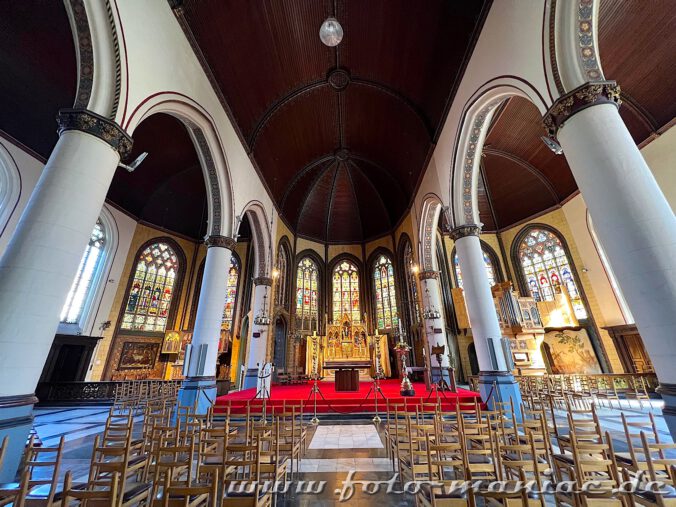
(571, 352)
(172, 343)
(138, 355)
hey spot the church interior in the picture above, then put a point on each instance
(301, 243)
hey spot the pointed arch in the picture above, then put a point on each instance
(262, 237)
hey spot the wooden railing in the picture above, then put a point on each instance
(578, 382)
(82, 392)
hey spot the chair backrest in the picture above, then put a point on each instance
(205, 494)
(42, 465)
(105, 497)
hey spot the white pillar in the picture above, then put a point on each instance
(200, 383)
(435, 329)
(632, 218)
(42, 257)
(479, 299)
(496, 382)
(258, 334)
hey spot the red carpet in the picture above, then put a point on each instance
(343, 403)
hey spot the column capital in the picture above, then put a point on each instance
(582, 97)
(219, 241)
(464, 231)
(263, 280)
(96, 125)
(428, 275)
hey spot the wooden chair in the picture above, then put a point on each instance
(196, 495)
(173, 464)
(42, 468)
(524, 462)
(446, 467)
(244, 468)
(660, 470)
(89, 497)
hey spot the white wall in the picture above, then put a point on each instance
(661, 157)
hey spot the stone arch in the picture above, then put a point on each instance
(202, 130)
(427, 234)
(573, 44)
(99, 83)
(10, 187)
(475, 120)
(262, 237)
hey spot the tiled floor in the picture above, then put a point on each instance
(340, 452)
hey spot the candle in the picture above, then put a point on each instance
(376, 332)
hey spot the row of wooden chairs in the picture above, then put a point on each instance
(560, 459)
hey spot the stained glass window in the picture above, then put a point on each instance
(346, 292)
(488, 262)
(385, 293)
(307, 295)
(231, 294)
(546, 268)
(86, 273)
(412, 283)
(152, 289)
(280, 289)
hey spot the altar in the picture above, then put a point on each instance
(347, 355)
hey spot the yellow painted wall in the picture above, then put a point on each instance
(557, 219)
(142, 234)
(336, 250)
(385, 242)
(305, 244)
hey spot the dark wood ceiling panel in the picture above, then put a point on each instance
(516, 193)
(414, 47)
(399, 63)
(168, 188)
(299, 134)
(372, 207)
(259, 51)
(637, 46)
(315, 203)
(38, 70)
(297, 191)
(387, 132)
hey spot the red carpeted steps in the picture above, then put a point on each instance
(332, 402)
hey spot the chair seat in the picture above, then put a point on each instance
(136, 490)
(651, 496)
(624, 457)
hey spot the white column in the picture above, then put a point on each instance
(207, 330)
(479, 299)
(199, 386)
(258, 344)
(41, 260)
(496, 382)
(42, 257)
(431, 300)
(633, 221)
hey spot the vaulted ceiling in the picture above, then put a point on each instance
(340, 135)
(340, 153)
(521, 177)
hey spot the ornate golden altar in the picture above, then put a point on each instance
(347, 342)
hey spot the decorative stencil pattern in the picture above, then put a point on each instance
(428, 236)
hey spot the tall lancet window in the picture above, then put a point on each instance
(346, 292)
(488, 263)
(231, 294)
(546, 267)
(387, 316)
(86, 274)
(152, 289)
(411, 283)
(307, 295)
(280, 288)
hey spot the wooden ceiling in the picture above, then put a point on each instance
(522, 176)
(167, 189)
(340, 135)
(341, 164)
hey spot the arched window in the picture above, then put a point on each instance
(152, 289)
(307, 295)
(546, 268)
(488, 262)
(387, 316)
(86, 274)
(231, 294)
(280, 288)
(346, 292)
(411, 283)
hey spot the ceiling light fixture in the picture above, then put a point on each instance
(331, 33)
